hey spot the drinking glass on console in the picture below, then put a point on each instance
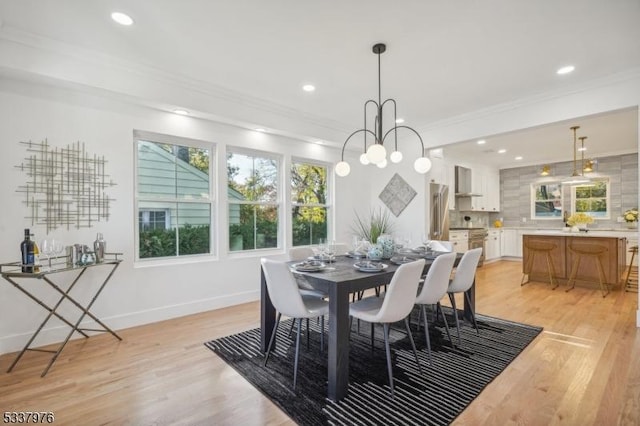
(47, 249)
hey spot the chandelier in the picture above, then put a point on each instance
(376, 153)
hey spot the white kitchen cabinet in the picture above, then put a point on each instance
(460, 240)
(487, 183)
(493, 246)
(509, 246)
(491, 191)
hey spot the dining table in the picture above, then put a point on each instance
(340, 279)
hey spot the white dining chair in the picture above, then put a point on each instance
(462, 281)
(286, 298)
(435, 286)
(396, 305)
(300, 253)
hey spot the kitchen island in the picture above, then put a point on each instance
(613, 257)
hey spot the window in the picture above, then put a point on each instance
(546, 200)
(309, 203)
(253, 200)
(174, 201)
(592, 199)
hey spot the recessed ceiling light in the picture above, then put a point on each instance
(399, 120)
(481, 142)
(502, 151)
(181, 111)
(318, 142)
(519, 157)
(582, 148)
(566, 70)
(260, 129)
(308, 87)
(122, 18)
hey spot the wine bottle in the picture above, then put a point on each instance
(27, 249)
(99, 247)
(36, 257)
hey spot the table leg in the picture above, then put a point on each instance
(267, 314)
(338, 351)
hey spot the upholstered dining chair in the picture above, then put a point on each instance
(462, 281)
(435, 286)
(286, 298)
(396, 305)
(300, 253)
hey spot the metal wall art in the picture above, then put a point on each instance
(64, 186)
(397, 195)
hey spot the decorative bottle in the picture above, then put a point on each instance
(99, 247)
(27, 249)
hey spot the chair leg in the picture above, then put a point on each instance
(527, 269)
(426, 333)
(273, 338)
(604, 286)
(444, 318)
(413, 345)
(419, 317)
(295, 366)
(574, 272)
(322, 334)
(388, 351)
(452, 298)
(372, 345)
(473, 314)
(291, 328)
(308, 333)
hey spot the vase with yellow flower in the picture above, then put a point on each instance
(631, 218)
(578, 221)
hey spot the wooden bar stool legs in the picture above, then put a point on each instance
(591, 252)
(631, 281)
(542, 249)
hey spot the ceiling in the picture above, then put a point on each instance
(443, 59)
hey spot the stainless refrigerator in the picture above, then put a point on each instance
(439, 206)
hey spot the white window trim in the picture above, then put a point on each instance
(328, 197)
(532, 203)
(608, 198)
(211, 201)
(278, 202)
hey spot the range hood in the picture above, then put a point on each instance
(463, 183)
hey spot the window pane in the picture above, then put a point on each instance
(547, 200)
(309, 225)
(252, 227)
(252, 178)
(156, 239)
(308, 184)
(172, 171)
(548, 192)
(194, 221)
(547, 209)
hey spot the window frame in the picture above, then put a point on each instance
(278, 203)
(533, 191)
(607, 181)
(211, 201)
(328, 196)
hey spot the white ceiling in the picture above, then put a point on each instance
(443, 59)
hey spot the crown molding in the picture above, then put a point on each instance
(594, 84)
(129, 68)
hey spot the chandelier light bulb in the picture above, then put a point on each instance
(422, 165)
(343, 169)
(376, 153)
(382, 164)
(396, 157)
(364, 160)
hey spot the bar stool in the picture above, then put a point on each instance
(631, 282)
(544, 249)
(588, 251)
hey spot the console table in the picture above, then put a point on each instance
(12, 273)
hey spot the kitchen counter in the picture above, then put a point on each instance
(590, 233)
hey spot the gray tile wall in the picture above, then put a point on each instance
(515, 190)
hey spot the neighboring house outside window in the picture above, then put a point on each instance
(253, 200)
(309, 205)
(592, 199)
(174, 200)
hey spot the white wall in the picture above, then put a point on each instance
(138, 293)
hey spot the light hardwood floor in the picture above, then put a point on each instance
(584, 369)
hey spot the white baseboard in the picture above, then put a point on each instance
(119, 322)
(638, 318)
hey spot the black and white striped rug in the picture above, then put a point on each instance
(436, 397)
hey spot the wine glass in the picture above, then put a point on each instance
(58, 248)
(46, 248)
(322, 246)
(330, 250)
